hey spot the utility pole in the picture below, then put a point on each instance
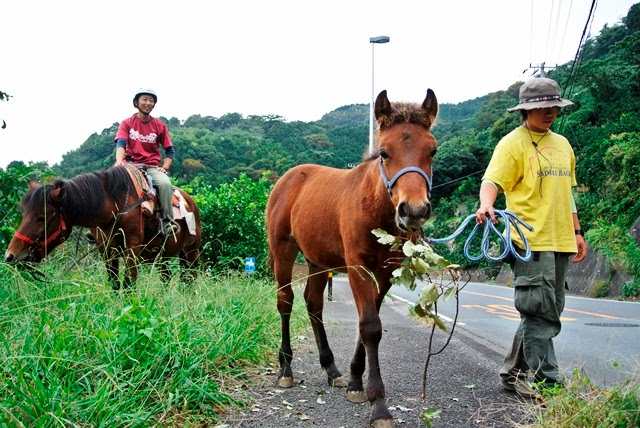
(540, 69)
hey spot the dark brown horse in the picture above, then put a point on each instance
(105, 201)
(328, 214)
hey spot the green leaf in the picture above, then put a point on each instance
(384, 237)
(420, 266)
(428, 415)
(408, 279)
(419, 311)
(451, 292)
(420, 248)
(407, 248)
(436, 320)
(428, 294)
(397, 273)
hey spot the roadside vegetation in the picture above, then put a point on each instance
(584, 405)
(73, 353)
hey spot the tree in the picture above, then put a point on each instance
(3, 97)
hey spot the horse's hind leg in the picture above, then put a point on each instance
(283, 257)
(314, 298)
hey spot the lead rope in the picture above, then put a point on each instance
(510, 220)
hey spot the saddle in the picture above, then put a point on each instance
(151, 205)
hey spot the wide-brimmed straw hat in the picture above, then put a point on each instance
(540, 92)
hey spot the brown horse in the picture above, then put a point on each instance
(105, 201)
(328, 214)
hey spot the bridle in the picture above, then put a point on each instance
(40, 244)
(390, 183)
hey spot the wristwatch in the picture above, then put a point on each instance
(579, 232)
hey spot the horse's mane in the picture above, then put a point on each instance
(402, 112)
(84, 195)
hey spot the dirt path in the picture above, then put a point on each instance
(462, 381)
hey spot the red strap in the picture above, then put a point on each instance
(24, 239)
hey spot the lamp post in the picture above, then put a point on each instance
(373, 41)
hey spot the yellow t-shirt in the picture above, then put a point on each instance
(537, 185)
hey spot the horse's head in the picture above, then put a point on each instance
(42, 228)
(406, 149)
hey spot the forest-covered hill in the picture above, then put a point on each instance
(603, 127)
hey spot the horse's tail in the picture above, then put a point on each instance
(270, 261)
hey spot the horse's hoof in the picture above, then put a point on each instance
(285, 382)
(338, 382)
(356, 396)
(382, 423)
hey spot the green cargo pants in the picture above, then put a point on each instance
(165, 191)
(539, 296)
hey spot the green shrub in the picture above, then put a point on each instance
(233, 225)
(13, 183)
(630, 289)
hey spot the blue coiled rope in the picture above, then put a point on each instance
(509, 219)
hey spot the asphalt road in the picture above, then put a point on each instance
(599, 336)
(462, 382)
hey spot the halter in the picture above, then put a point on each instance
(40, 244)
(390, 183)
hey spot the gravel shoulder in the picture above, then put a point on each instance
(462, 381)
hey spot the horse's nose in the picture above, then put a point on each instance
(8, 257)
(413, 216)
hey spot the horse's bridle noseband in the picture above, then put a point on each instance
(390, 183)
(40, 243)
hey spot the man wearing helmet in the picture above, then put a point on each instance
(138, 140)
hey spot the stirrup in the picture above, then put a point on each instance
(169, 227)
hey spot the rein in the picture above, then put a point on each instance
(390, 183)
(38, 244)
(510, 219)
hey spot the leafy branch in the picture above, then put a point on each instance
(419, 263)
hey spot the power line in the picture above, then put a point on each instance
(568, 90)
(458, 179)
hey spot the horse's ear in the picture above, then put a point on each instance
(383, 106)
(33, 184)
(430, 105)
(55, 195)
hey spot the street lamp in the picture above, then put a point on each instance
(373, 41)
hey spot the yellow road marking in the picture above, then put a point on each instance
(594, 314)
(506, 312)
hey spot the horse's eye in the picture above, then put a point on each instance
(41, 219)
(384, 155)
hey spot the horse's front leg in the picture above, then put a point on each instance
(131, 255)
(189, 265)
(110, 257)
(314, 298)
(368, 300)
(165, 271)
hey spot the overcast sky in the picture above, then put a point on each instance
(72, 67)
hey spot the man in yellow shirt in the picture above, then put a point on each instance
(535, 168)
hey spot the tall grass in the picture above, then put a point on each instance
(74, 353)
(584, 405)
